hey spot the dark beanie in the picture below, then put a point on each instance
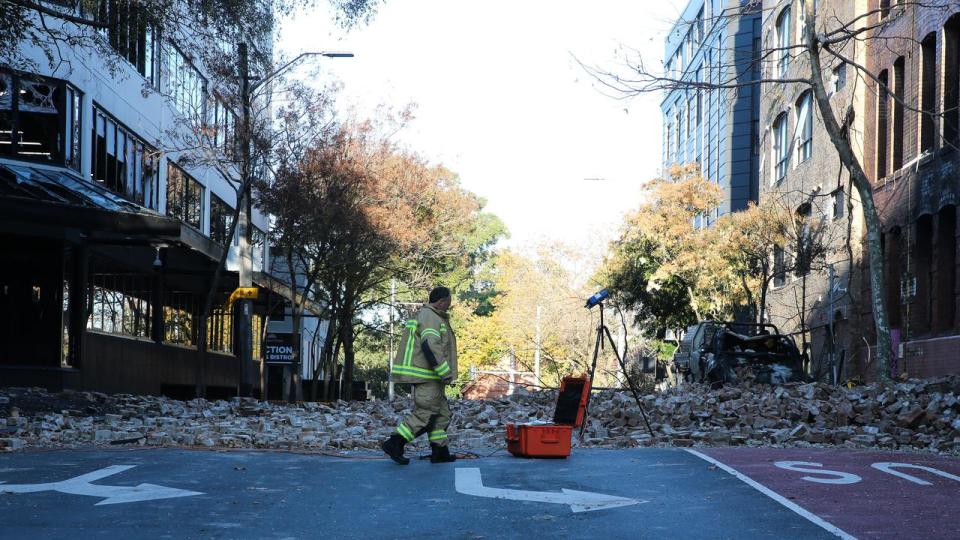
(439, 293)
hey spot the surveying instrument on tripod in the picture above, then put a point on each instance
(603, 334)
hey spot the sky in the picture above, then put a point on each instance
(501, 100)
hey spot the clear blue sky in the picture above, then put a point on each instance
(501, 100)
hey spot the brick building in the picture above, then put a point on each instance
(801, 173)
(913, 160)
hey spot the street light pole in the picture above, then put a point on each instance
(245, 330)
(245, 231)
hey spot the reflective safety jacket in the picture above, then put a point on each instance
(428, 349)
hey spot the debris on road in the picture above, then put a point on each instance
(915, 414)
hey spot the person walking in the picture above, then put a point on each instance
(427, 359)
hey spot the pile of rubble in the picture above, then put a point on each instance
(912, 414)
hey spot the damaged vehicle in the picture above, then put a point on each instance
(720, 352)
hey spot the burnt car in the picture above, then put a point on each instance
(724, 351)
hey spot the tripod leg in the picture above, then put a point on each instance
(623, 368)
(593, 368)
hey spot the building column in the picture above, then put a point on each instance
(78, 313)
(156, 300)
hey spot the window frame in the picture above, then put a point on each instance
(186, 196)
(148, 196)
(804, 131)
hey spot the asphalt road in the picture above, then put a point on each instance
(639, 493)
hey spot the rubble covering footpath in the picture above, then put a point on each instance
(916, 414)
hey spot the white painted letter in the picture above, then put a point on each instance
(888, 467)
(804, 466)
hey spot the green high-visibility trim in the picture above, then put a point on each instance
(429, 331)
(438, 435)
(416, 372)
(443, 369)
(443, 327)
(405, 432)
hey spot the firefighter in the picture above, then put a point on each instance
(427, 359)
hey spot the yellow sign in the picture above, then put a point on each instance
(244, 293)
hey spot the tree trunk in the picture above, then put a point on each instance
(346, 333)
(325, 355)
(859, 178)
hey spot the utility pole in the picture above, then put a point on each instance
(390, 353)
(832, 360)
(244, 330)
(536, 354)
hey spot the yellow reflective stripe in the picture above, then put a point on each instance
(443, 327)
(438, 435)
(405, 432)
(408, 353)
(429, 331)
(416, 372)
(442, 369)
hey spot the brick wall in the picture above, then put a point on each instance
(917, 203)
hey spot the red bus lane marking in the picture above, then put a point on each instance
(874, 494)
(813, 518)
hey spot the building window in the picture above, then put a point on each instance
(178, 322)
(129, 33)
(884, 6)
(225, 127)
(946, 270)
(122, 162)
(951, 87)
(698, 24)
(839, 203)
(882, 127)
(898, 96)
(801, 22)
(39, 119)
(221, 219)
(185, 86)
(781, 146)
(120, 305)
(783, 42)
(184, 196)
(928, 91)
(839, 77)
(258, 242)
(220, 330)
(779, 267)
(804, 127)
(678, 135)
(668, 151)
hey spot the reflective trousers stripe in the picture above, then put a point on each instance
(405, 432)
(438, 435)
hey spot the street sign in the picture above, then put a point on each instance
(243, 293)
(82, 485)
(278, 348)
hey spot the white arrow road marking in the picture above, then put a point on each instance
(469, 482)
(81, 485)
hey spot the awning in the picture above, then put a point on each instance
(57, 197)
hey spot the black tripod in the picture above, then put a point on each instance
(602, 331)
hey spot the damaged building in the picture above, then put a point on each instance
(108, 238)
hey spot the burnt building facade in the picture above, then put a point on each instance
(109, 237)
(912, 135)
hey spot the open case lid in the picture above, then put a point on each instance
(572, 400)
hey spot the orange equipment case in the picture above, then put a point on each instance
(552, 440)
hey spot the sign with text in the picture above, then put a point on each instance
(278, 348)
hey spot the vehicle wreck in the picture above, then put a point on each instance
(724, 352)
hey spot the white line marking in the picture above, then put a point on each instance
(469, 482)
(81, 485)
(888, 467)
(813, 518)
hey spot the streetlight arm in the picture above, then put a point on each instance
(281, 69)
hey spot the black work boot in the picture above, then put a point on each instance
(441, 454)
(394, 448)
